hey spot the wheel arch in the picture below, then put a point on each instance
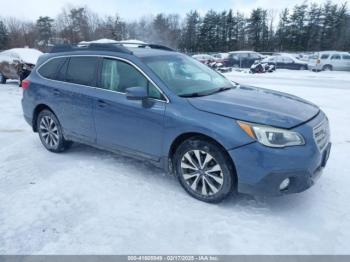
(36, 112)
(185, 136)
(327, 65)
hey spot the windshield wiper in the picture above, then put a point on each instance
(195, 94)
(206, 93)
(221, 89)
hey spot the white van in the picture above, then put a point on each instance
(330, 60)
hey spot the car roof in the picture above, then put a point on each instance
(333, 52)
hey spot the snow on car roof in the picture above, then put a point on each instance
(242, 51)
(99, 41)
(27, 55)
(111, 41)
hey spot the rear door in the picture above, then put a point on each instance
(71, 92)
(289, 63)
(280, 62)
(133, 126)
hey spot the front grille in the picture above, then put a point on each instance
(322, 134)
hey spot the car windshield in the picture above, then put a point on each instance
(186, 76)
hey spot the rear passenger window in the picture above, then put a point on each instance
(49, 69)
(335, 57)
(82, 70)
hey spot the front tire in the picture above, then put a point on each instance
(204, 170)
(50, 132)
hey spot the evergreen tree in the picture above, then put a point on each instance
(298, 28)
(190, 32)
(283, 32)
(258, 30)
(314, 28)
(4, 37)
(44, 26)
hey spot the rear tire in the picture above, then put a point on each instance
(2, 79)
(327, 68)
(204, 170)
(50, 132)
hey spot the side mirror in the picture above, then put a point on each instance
(136, 93)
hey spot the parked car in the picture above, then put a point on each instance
(243, 59)
(286, 61)
(205, 59)
(162, 106)
(17, 63)
(330, 60)
(221, 57)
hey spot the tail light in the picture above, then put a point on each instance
(318, 61)
(25, 84)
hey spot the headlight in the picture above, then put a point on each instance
(271, 136)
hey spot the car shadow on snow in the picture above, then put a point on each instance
(150, 174)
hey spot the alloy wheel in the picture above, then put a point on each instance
(49, 131)
(201, 172)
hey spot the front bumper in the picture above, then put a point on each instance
(261, 170)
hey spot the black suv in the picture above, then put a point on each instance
(242, 59)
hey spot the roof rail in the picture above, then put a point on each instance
(91, 47)
(144, 45)
(120, 47)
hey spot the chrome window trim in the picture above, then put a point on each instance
(98, 88)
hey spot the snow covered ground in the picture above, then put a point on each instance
(88, 201)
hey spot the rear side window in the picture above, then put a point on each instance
(287, 60)
(335, 57)
(324, 56)
(49, 69)
(346, 57)
(82, 70)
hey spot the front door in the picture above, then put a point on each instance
(133, 126)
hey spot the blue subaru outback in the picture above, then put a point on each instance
(155, 104)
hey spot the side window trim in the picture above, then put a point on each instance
(98, 72)
(149, 81)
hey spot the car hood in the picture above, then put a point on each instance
(258, 105)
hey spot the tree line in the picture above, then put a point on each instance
(306, 27)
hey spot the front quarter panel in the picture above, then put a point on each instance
(182, 118)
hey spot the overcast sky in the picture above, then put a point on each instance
(133, 9)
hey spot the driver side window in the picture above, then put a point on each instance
(118, 76)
